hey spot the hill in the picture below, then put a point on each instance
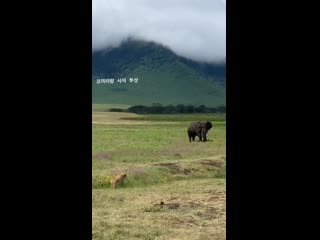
(162, 77)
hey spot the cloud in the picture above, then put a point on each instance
(195, 29)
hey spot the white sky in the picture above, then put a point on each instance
(195, 29)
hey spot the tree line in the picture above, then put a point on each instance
(157, 108)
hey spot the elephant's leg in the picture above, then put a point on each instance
(194, 137)
(204, 133)
(205, 138)
(200, 137)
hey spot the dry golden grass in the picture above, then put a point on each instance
(193, 209)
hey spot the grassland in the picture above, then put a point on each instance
(217, 118)
(161, 165)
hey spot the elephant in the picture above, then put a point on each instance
(199, 129)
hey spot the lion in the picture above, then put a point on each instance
(118, 179)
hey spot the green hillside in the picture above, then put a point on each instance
(163, 77)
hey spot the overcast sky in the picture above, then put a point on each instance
(195, 29)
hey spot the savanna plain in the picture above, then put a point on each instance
(174, 189)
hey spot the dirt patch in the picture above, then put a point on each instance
(174, 168)
(180, 223)
(184, 222)
(167, 205)
(214, 163)
(215, 192)
(193, 205)
(172, 205)
(209, 214)
(202, 210)
(101, 155)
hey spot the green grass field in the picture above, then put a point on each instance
(161, 165)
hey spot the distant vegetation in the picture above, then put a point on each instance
(158, 108)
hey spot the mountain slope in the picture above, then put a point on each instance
(163, 77)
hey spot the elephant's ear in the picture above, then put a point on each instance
(208, 125)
